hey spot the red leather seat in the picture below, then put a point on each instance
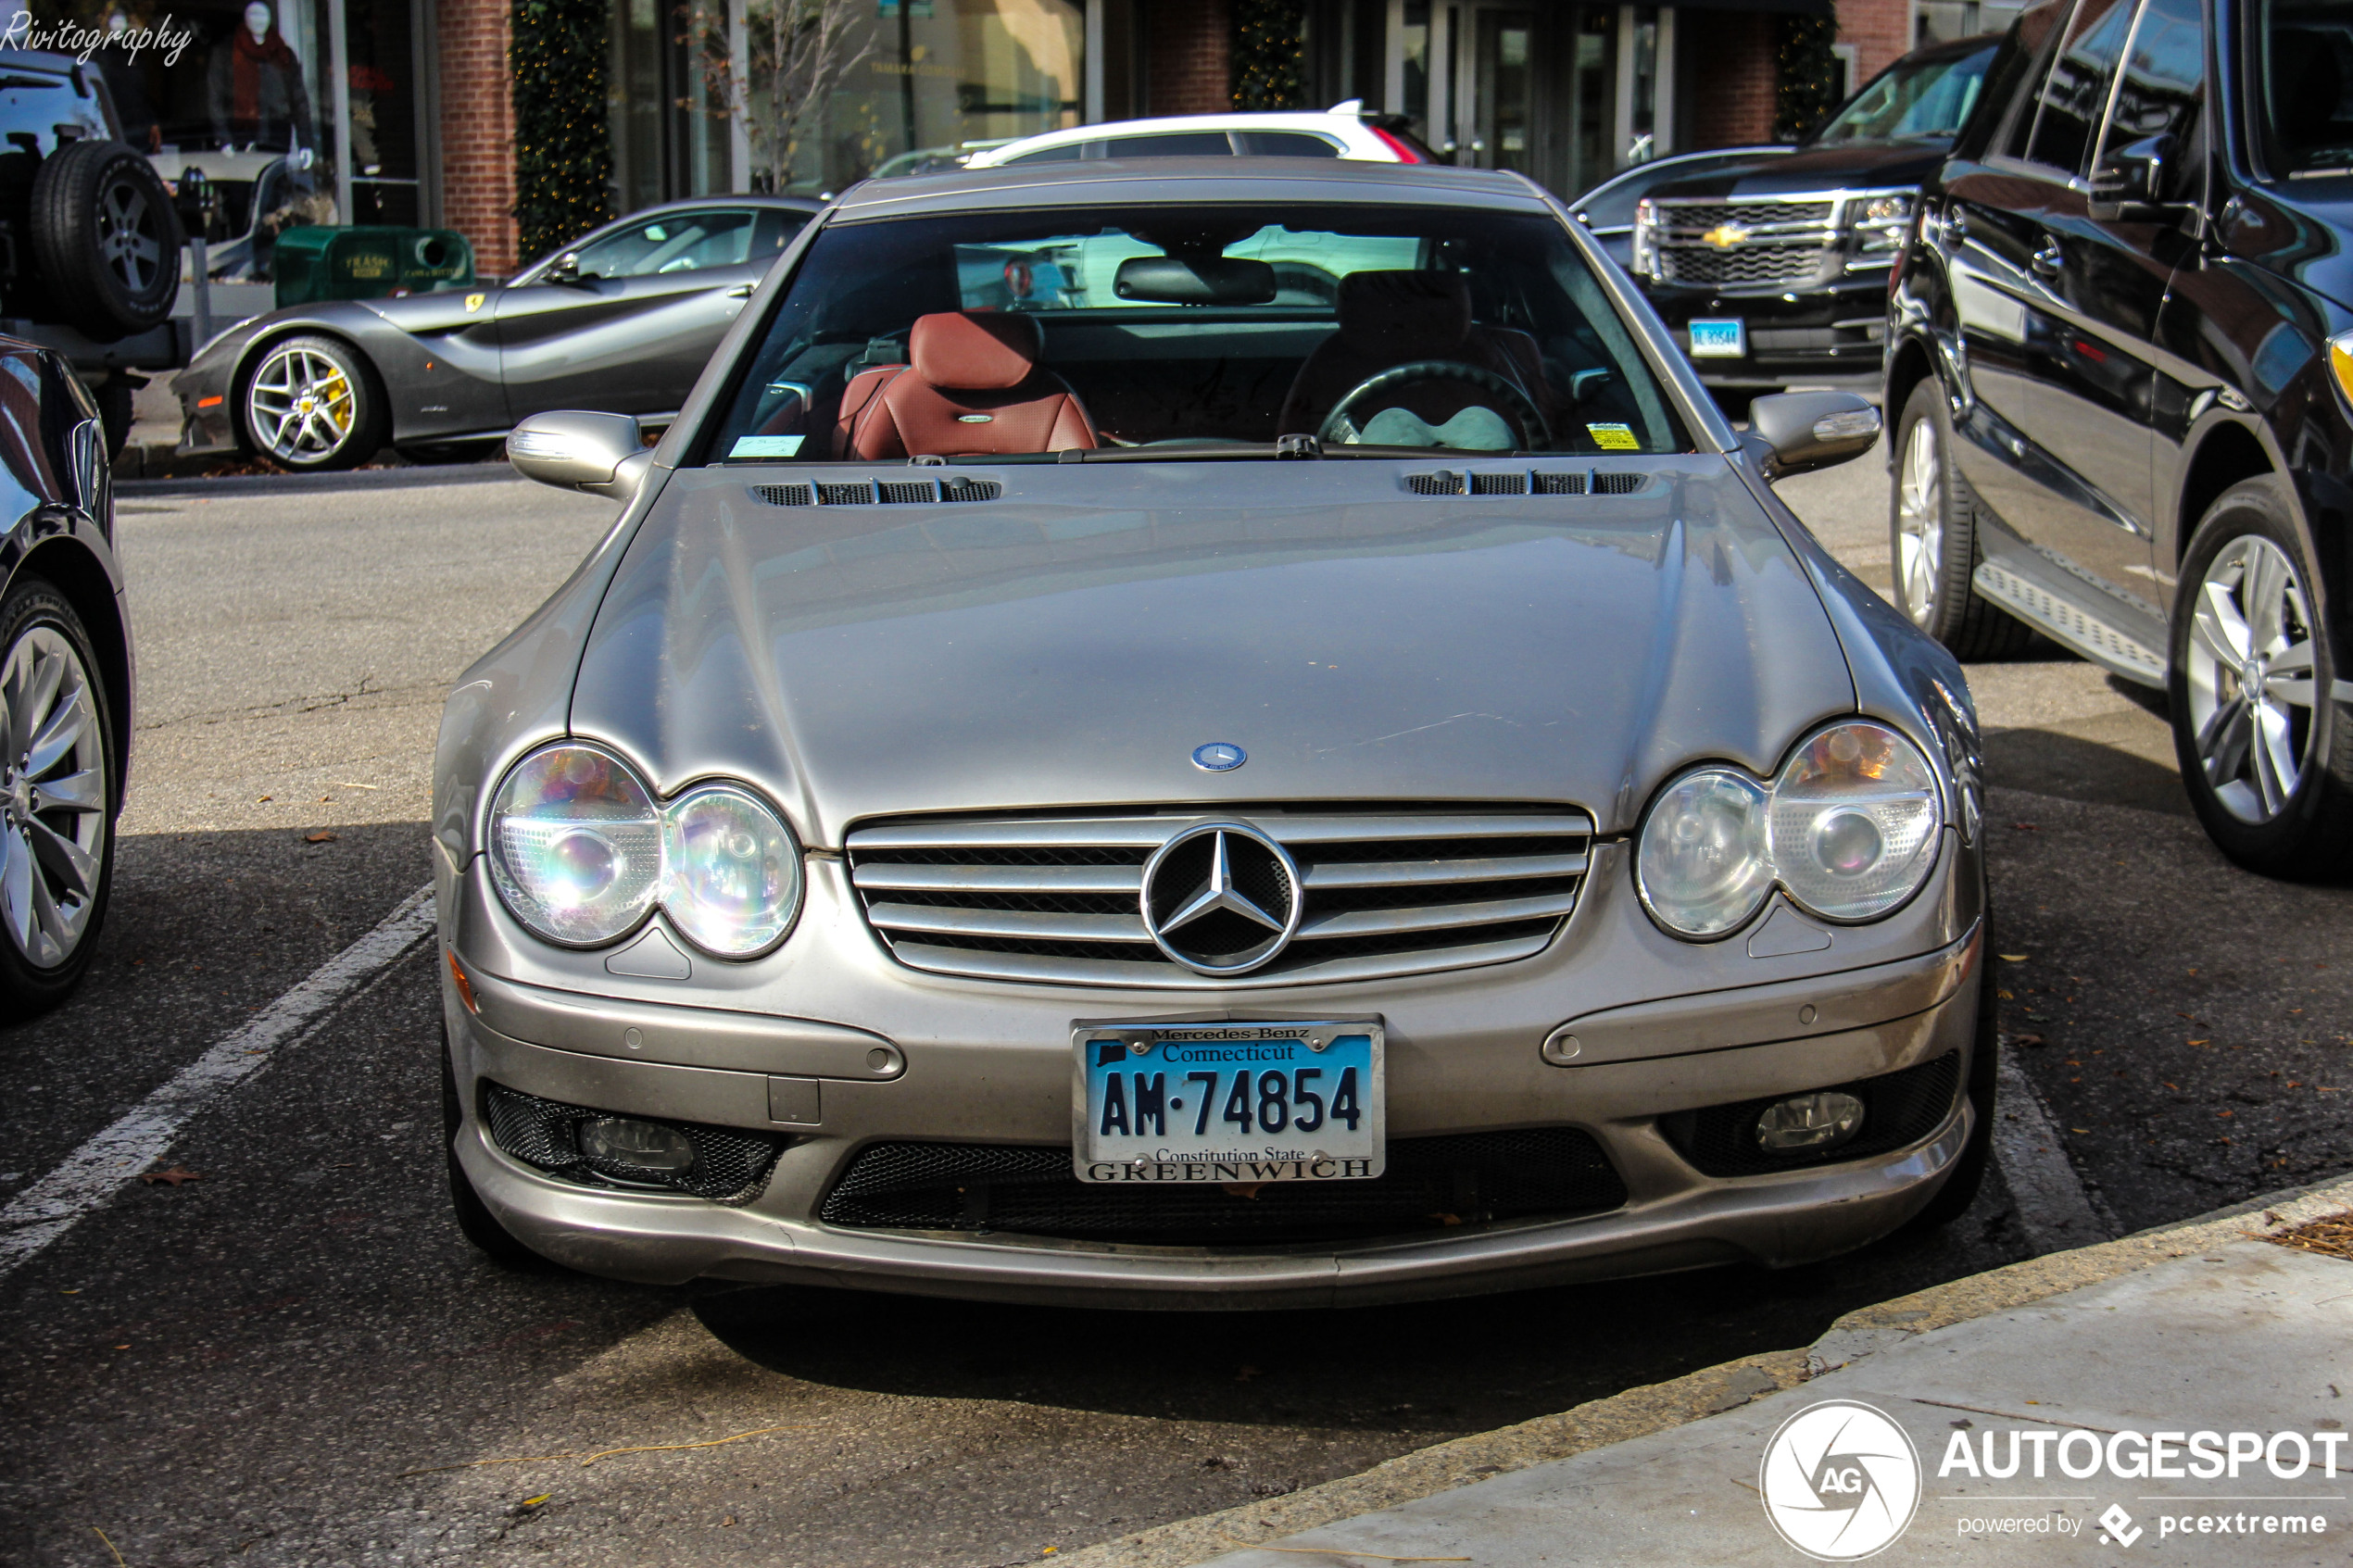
(1396, 318)
(972, 387)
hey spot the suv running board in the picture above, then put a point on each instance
(2070, 623)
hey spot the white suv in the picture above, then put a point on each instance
(1342, 130)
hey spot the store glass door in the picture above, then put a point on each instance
(1498, 93)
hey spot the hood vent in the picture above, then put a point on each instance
(1521, 482)
(879, 492)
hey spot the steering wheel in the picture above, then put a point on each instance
(1340, 426)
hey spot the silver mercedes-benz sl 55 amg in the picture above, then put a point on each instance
(1212, 734)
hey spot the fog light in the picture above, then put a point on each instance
(646, 1146)
(1823, 1120)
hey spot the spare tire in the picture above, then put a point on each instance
(106, 240)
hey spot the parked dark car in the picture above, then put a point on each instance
(1774, 269)
(621, 321)
(1607, 210)
(64, 678)
(2119, 364)
(89, 243)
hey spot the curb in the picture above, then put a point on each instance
(1659, 1407)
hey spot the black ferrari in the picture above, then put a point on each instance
(622, 320)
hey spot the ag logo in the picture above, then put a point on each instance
(1841, 1481)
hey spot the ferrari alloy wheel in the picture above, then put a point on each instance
(56, 805)
(312, 403)
(2258, 711)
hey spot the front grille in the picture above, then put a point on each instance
(730, 1166)
(1431, 1184)
(1899, 1110)
(1781, 242)
(1386, 891)
(1748, 264)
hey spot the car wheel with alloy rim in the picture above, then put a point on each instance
(2258, 709)
(311, 404)
(1932, 524)
(57, 798)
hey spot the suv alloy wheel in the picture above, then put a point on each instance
(2265, 752)
(1933, 524)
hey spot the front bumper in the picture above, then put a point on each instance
(1810, 334)
(999, 1074)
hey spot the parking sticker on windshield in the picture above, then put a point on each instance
(766, 447)
(1609, 438)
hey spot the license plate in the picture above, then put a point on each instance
(1228, 1102)
(1726, 339)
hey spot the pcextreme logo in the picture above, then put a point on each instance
(1841, 1481)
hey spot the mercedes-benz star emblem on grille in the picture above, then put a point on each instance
(1222, 899)
(1219, 757)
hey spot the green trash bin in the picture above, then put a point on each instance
(311, 264)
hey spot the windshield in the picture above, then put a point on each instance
(996, 335)
(1911, 102)
(2307, 69)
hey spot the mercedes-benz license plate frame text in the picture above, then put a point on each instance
(1128, 1080)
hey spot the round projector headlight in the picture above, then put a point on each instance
(1854, 822)
(575, 845)
(732, 877)
(1703, 867)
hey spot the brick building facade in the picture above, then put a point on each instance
(1715, 74)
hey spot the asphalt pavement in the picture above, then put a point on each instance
(293, 1359)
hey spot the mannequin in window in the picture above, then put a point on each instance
(256, 91)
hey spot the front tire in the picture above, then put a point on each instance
(312, 404)
(1932, 530)
(58, 799)
(2266, 752)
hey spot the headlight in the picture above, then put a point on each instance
(732, 873)
(580, 852)
(1847, 828)
(2341, 363)
(1882, 220)
(576, 845)
(1704, 866)
(1892, 208)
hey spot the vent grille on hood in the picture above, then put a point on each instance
(1386, 890)
(1522, 481)
(879, 492)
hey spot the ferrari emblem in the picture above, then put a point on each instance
(1724, 237)
(473, 301)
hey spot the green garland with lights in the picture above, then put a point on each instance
(1270, 58)
(563, 140)
(1806, 89)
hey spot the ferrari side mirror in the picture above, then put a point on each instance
(597, 454)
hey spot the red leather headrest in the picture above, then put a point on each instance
(1425, 309)
(988, 352)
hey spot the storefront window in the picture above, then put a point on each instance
(833, 91)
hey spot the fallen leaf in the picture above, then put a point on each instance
(175, 1176)
(2026, 1039)
(122, 1346)
(2022, 827)
(75, 1291)
(322, 836)
(2013, 958)
(535, 1502)
(2079, 1129)
(262, 800)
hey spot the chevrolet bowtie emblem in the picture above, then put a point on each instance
(1724, 237)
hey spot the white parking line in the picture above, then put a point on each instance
(94, 1173)
(2053, 1208)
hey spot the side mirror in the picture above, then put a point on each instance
(597, 454)
(564, 269)
(2129, 181)
(1798, 431)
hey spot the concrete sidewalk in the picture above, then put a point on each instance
(2081, 1357)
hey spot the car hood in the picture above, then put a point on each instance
(1071, 643)
(1851, 166)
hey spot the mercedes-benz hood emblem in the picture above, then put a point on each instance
(1222, 899)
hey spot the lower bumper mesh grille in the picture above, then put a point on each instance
(1899, 1108)
(1431, 1184)
(730, 1166)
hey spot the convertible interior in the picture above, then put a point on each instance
(967, 338)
